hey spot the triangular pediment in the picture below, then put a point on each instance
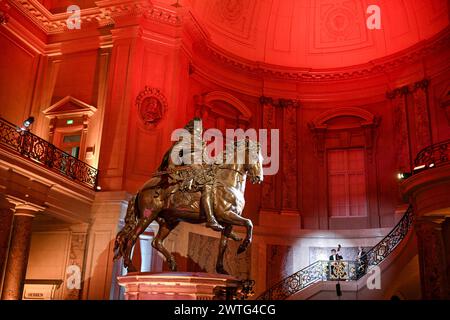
(69, 106)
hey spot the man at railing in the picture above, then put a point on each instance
(24, 140)
(26, 125)
(335, 256)
(361, 259)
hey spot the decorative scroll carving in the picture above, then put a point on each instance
(421, 114)
(152, 105)
(398, 98)
(433, 262)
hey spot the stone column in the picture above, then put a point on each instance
(16, 267)
(6, 218)
(433, 239)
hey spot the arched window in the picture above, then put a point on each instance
(222, 110)
(344, 143)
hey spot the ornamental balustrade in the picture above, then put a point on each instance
(46, 154)
(433, 156)
(341, 270)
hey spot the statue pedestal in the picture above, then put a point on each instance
(178, 286)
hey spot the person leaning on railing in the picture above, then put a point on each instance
(361, 260)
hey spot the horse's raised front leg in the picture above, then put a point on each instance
(222, 248)
(234, 219)
(164, 230)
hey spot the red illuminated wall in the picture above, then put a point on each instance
(286, 50)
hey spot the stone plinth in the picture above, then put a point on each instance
(177, 286)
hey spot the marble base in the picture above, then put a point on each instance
(177, 286)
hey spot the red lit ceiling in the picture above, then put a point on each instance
(317, 33)
(306, 33)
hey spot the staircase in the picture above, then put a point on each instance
(349, 271)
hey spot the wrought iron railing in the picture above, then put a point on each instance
(433, 156)
(340, 270)
(381, 250)
(321, 270)
(43, 152)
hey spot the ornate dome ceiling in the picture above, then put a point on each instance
(317, 33)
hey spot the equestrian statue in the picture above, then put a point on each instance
(195, 191)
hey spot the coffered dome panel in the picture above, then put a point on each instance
(317, 33)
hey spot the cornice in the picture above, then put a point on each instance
(375, 67)
(106, 11)
(163, 15)
(101, 15)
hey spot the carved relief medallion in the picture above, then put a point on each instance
(152, 106)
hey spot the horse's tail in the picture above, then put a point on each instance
(131, 219)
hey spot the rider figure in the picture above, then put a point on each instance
(195, 153)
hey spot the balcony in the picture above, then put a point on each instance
(40, 151)
(433, 156)
(428, 188)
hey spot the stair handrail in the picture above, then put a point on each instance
(310, 274)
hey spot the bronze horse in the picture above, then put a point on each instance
(159, 200)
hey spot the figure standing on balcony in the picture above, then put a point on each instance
(335, 256)
(24, 140)
(361, 259)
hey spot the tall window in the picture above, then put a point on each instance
(347, 183)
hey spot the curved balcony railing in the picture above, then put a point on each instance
(43, 152)
(435, 155)
(340, 270)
